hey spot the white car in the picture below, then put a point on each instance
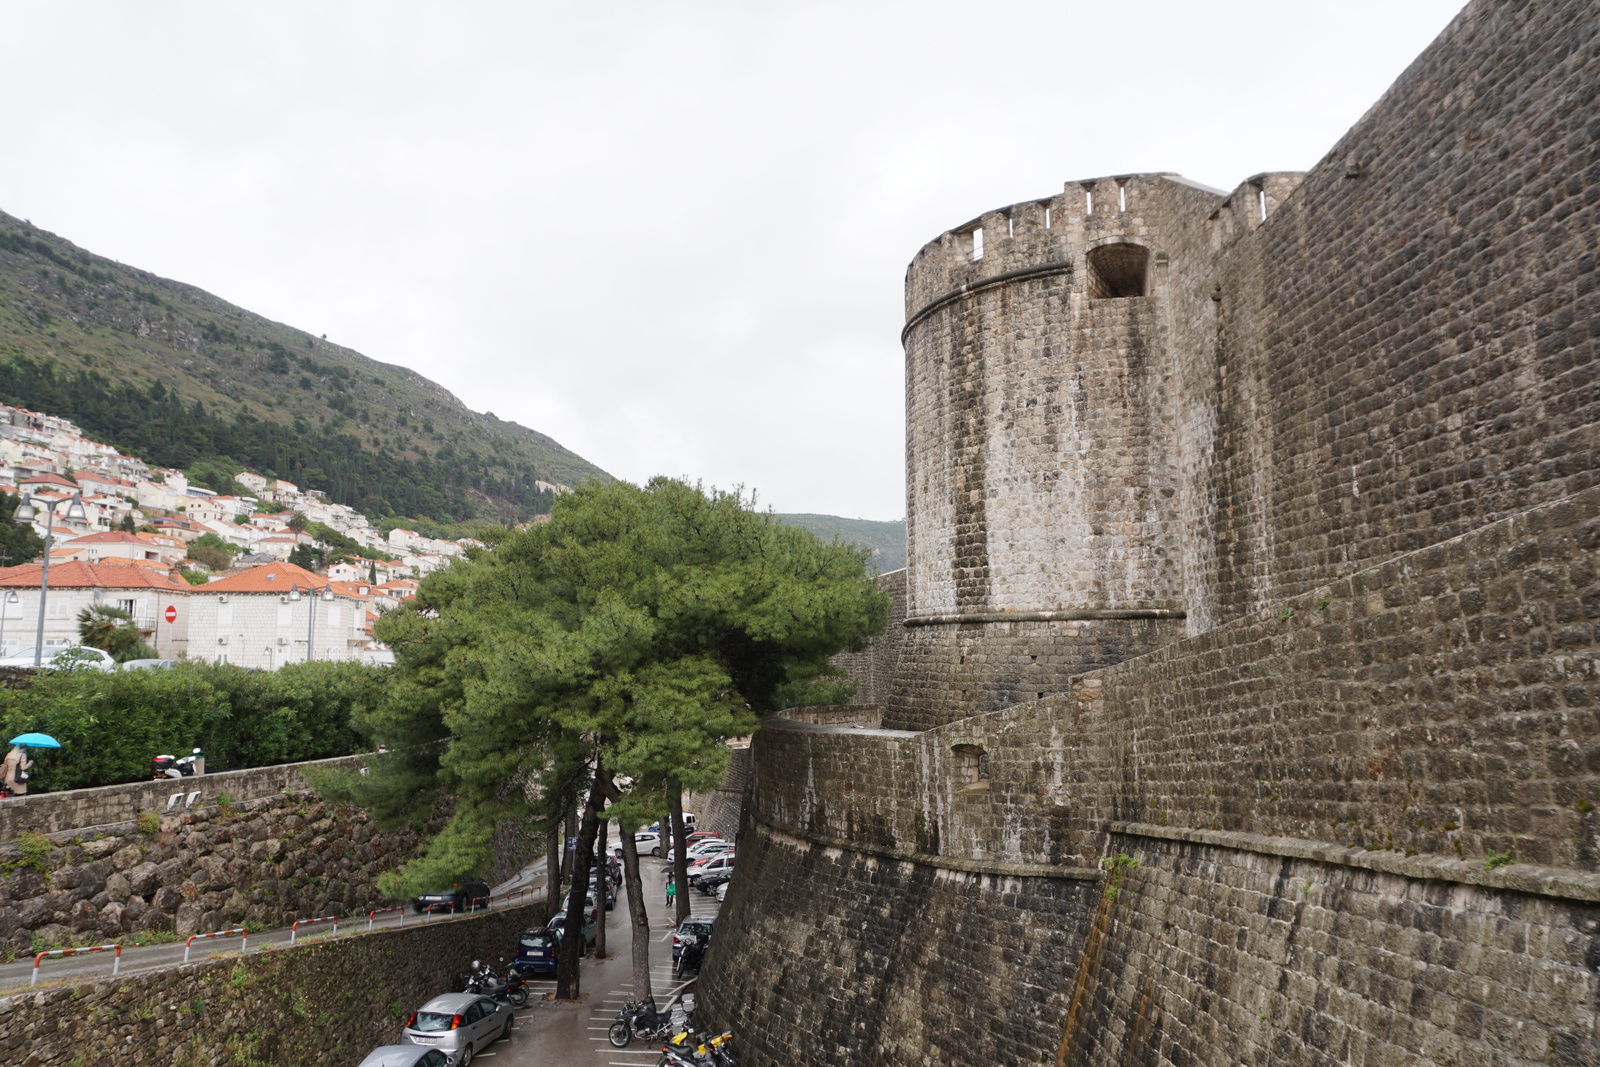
(92, 658)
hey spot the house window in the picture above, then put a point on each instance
(1117, 270)
(127, 605)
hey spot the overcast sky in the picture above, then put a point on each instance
(672, 236)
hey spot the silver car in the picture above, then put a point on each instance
(458, 1024)
(406, 1056)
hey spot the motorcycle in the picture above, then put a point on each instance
(163, 767)
(482, 979)
(643, 1022)
(692, 952)
(688, 1049)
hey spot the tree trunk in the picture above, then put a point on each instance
(552, 877)
(637, 917)
(680, 852)
(600, 952)
(567, 985)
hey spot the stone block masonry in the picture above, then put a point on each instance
(327, 1002)
(107, 807)
(1285, 504)
(268, 861)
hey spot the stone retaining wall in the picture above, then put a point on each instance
(326, 1002)
(268, 861)
(104, 807)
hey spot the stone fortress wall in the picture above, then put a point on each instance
(1252, 544)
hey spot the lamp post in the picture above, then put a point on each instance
(27, 512)
(10, 598)
(293, 595)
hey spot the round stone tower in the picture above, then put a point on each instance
(1041, 485)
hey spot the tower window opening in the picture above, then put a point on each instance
(1088, 202)
(1122, 198)
(1047, 218)
(977, 243)
(972, 765)
(1118, 270)
(1261, 195)
(1011, 227)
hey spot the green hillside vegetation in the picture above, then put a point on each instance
(887, 540)
(180, 378)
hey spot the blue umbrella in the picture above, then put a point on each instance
(35, 741)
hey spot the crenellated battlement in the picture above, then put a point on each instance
(1240, 706)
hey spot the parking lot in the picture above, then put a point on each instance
(548, 1031)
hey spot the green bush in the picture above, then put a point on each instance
(111, 723)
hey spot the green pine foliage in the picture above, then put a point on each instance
(627, 640)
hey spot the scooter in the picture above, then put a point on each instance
(174, 766)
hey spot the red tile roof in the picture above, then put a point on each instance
(268, 578)
(75, 575)
(48, 479)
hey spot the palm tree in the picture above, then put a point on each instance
(112, 629)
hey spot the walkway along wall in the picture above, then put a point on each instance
(1363, 823)
(329, 1001)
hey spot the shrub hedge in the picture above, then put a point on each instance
(111, 723)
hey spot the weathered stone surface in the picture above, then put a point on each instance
(183, 875)
(1292, 535)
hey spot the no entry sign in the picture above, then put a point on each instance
(171, 613)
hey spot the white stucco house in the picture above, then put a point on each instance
(274, 614)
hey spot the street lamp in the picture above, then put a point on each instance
(26, 512)
(325, 594)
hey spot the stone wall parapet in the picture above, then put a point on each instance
(115, 806)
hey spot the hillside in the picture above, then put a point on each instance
(175, 375)
(887, 540)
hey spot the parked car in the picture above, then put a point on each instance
(536, 951)
(559, 925)
(702, 835)
(698, 925)
(648, 841)
(722, 890)
(156, 665)
(458, 1024)
(720, 864)
(611, 888)
(82, 655)
(468, 893)
(710, 883)
(704, 849)
(406, 1056)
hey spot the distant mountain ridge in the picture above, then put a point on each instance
(171, 373)
(886, 540)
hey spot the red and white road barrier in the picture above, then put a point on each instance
(427, 913)
(116, 963)
(380, 911)
(237, 931)
(298, 923)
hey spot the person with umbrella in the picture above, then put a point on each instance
(14, 779)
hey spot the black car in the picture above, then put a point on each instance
(464, 895)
